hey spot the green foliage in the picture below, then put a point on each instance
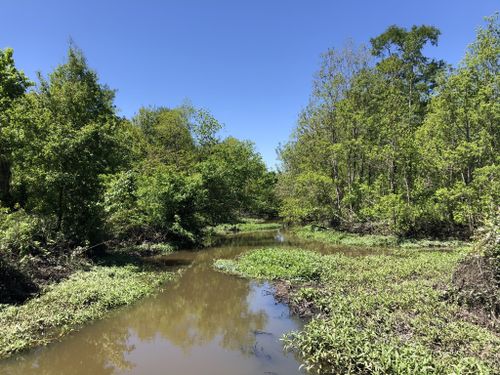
(246, 227)
(398, 142)
(172, 202)
(159, 201)
(488, 240)
(334, 237)
(72, 164)
(187, 178)
(148, 249)
(167, 133)
(85, 296)
(378, 314)
(232, 174)
(293, 264)
(66, 136)
(205, 128)
(343, 238)
(13, 84)
(20, 233)
(120, 204)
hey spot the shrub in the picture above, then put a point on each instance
(20, 233)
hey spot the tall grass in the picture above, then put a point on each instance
(372, 240)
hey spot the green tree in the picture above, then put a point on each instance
(168, 135)
(69, 127)
(409, 79)
(229, 172)
(460, 138)
(13, 85)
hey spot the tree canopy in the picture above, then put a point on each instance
(398, 142)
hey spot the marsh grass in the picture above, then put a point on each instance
(334, 237)
(274, 263)
(64, 307)
(252, 226)
(150, 249)
(378, 314)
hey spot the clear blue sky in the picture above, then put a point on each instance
(249, 62)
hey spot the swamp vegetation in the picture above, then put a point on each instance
(389, 187)
(388, 313)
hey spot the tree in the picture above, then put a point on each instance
(318, 151)
(410, 77)
(13, 85)
(228, 172)
(168, 135)
(69, 128)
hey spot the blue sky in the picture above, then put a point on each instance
(249, 62)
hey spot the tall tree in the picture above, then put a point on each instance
(74, 143)
(410, 78)
(13, 84)
(460, 138)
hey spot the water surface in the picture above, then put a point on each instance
(205, 323)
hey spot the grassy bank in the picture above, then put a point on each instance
(246, 225)
(352, 239)
(63, 307)
(380, 314)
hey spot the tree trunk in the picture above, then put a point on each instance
(60, 210)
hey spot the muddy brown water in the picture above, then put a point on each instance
(204, 323)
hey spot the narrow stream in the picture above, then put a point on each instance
(204, 323)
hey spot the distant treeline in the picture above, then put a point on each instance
(395, 141)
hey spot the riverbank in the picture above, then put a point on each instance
(387, 313)
(47, 296)
(334, 237)
(246, 225)
(86, 295)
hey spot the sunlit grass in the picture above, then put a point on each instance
(373, 240)
(85, 296)
(378, 314)
(246, 227)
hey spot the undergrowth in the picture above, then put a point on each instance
(334, 237)
(247, 226)
(63, 307)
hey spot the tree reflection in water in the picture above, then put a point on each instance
(198, 309)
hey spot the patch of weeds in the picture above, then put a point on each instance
(420, 244)
(63, 307)
(377, 314)
(150, 249)
(275, 263)
(334, 237)
(246, 227)
(252, 220)
(344, 238)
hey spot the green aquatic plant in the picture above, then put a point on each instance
(275, 263)
(252, 226)
(377, 314)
